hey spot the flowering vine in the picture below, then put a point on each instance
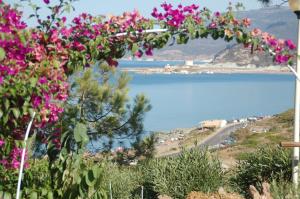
(36, 62)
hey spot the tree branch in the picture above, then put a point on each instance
(96, 119)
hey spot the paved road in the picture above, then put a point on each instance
(221, 135)
(217, 138)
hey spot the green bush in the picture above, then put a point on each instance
(193, 170)
(36, 179)
(72, 178)
(286, 118)
(284, 190)
(125, 181)
(265, 164)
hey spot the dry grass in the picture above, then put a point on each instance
(199, 195)
(194, 137)
(191, 138)
(267, 131)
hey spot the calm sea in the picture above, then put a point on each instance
(181, 101)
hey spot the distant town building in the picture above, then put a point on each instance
(252, 119)
(189, 63)
(212, 124)
(168, 68)
(243, 120)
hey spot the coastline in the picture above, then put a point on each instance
(226, 68)
(173, 142)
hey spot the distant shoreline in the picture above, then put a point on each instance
(227, 68)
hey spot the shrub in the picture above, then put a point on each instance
(265, 164)
(286, 118)
(283, 190)
(193, 170)
(125, 181)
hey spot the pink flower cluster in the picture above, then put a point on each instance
(14, 159)
(176, 17)
(29, 55)
(15, 49)
(2, 142)
(16, 64)
(283, 49)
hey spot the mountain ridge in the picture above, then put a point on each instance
(275, 20)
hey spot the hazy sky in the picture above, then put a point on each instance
(96, 7)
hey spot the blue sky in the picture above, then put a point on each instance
(115, 7)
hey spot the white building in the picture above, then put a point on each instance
(212, 124)
(189, 63)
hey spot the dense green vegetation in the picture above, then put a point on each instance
(194, 170)
(264, 165)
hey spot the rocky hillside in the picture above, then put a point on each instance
(243, 57)
(275, 20)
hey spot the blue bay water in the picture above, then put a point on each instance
(180, 101)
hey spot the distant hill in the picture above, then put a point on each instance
(279, 21)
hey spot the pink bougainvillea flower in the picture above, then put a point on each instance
(64, 19)
(217, 14)
(46, 1)
(2, 142)
(1, 80)
(256, 32)
(62, 97)
(138, 53)
(5, 163)
(112, 62)
(228, 33)
(15, 164)
(273, 42)
(36, 101)
(155, 13)
(43, 80)
(149, 52)
(54, 36)
(213, 25)
(78, 46)
(289, 43)
(281, 58)
(247, 22)
(166, 6)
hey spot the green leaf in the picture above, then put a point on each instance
(90, 178)
(33, 195)
(1, 113)
(203, 33)
(22, 39)
(16, 112)
(6, 104)
(191, 28)
(2, 54)
(80, 133)
(31, 111)
(33, 81)
(215, 34)
(44, 192)
(5, 118)
(134, 48)
(7, 195)
(50, 195)
(182, 38)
